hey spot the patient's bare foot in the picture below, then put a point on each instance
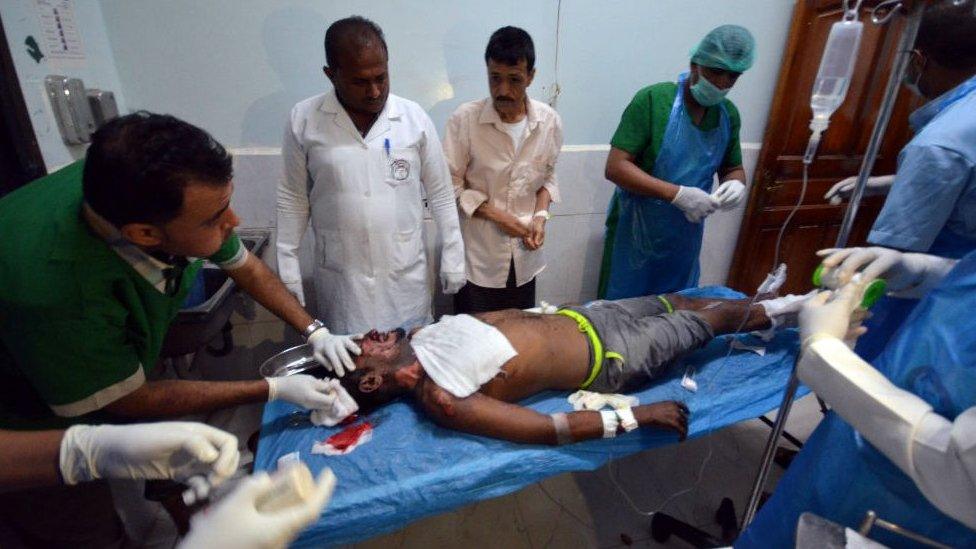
(669, 415)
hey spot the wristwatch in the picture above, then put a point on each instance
(543, 214)
(311, 328)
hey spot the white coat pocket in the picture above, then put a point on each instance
(403, 167)
(408, 250)
(329, 250)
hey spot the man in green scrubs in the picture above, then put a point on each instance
(672, 140)
(95, 261)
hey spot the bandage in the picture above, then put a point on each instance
(343, 406)
(461, 353)
(610, 423)
(627, 419)
(561, 424)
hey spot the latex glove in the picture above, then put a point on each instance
(831, 314)
(907, 274)
(695, 203)
(236, 522)
(783, 311)
(451, 283)
(333, 351)
(537, 233)
(876, 186)
(302, 389)
(729, 194)
(169, 450)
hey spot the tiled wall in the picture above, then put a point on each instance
(574, 239)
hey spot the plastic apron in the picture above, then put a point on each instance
(888, 314)
(839, 475)
(655, 249)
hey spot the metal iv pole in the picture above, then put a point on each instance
(905, 43)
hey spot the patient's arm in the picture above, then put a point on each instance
(482, 415)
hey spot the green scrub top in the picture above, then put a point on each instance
(78, 324)
(641, 133)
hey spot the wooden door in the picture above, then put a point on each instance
(778, 175)
(20, 157)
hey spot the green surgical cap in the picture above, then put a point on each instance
(728, 47)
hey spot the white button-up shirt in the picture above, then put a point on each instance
(364, 198)
(486, 167)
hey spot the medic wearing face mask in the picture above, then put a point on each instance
(671, 142)
(931, 207)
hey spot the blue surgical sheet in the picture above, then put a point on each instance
(413, 468)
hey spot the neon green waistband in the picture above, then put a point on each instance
(598, 353)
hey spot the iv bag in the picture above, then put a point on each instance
(836, 68)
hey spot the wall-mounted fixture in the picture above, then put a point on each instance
(102, 105)
(79, 112)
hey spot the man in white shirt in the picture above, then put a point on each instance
(502, 152)
(358, 162)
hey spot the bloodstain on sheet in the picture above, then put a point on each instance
(346, 440)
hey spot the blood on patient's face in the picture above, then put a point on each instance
(382, 346)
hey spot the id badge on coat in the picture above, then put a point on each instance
(402, 166)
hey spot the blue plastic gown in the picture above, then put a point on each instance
(840, 476)
(413, 468)
(932, 204)
(655, 248)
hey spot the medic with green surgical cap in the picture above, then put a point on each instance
(672, 140)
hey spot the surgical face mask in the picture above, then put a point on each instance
(706, 93)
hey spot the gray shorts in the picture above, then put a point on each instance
(647, 337)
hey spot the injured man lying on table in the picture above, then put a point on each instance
(466, 372)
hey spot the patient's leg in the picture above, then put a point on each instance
(724, 315)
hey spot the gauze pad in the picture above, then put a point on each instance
(461, 353)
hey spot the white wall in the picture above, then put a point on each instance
(20, 20)
(235, 68)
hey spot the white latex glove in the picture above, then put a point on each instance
(831, 314)
(302, 389)
(729, 194)
(907, 274)
(332, 351)
(451, 283)
(876, 186)
(783, 311)
(235, 522)
(695, 203)
(174, 450)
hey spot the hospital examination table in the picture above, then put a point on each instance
(413, 468)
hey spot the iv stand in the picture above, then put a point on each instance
(905, 43)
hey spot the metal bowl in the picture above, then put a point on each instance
(297, 360)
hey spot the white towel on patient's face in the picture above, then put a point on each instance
(461, 353)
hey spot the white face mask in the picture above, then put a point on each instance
(706, 93)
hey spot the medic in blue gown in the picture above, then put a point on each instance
(901, 438)
(671, 142)
(932, 204)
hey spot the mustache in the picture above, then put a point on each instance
(503, 98)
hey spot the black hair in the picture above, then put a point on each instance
(387, 391)
(354, 31)
(510, 45)
(138, 165)
(947, 34)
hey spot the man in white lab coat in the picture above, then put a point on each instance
(358, 161)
